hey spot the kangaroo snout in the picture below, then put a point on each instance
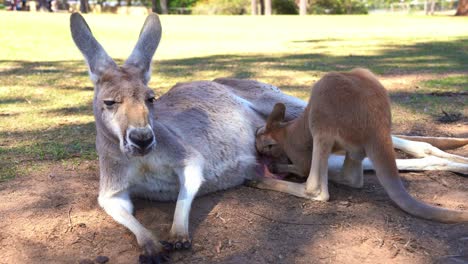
(141, 138)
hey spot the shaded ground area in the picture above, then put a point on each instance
(54, 218)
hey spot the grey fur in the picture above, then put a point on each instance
(205, 119)
(148, 41)
(204, 132)
(97, 59)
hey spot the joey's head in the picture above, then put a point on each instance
(269, 138)
(123, 103)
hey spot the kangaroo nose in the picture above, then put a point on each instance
(141, 137)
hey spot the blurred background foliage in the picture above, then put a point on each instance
(241, 7)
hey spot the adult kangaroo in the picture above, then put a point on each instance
(199, 137)
(347, 111)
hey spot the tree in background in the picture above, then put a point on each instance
(303, 7)
(337, 7)
(265, 7)
(84, 6)
(253, 7)
(221, 7)
(429, 7)
(168, 6)
(164, 9)
(268, 7)
(462, 9)
(284, 7)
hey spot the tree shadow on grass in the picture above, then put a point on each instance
(60, 143)
(433, 57)
(427, 57)
(83, 109)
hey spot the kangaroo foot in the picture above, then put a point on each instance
(153, 254)
(177, 243)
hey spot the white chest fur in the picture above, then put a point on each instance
(151, 177)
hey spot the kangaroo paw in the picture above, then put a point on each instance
(153, 254)
(177, 243)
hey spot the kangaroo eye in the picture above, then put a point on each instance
(267, 148)
(109, 102)
(151, 100)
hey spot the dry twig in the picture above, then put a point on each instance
(70, 226)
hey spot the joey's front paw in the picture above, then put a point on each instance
(153, 254)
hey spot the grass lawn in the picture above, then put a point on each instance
(45, 93)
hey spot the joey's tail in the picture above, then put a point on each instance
(383, 159)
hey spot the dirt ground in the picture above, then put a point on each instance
(53, 217)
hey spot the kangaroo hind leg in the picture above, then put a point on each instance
(296, 189)
(351, 174)
(317, 182)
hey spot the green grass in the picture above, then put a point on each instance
(449, 84)
(45, 93)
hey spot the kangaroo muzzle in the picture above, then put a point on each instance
(141, 140)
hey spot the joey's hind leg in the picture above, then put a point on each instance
(296, 189)
(190, 180)
(351, 173)
(317, 182)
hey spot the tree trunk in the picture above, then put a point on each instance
(154, 6)
(303, 7)
(253, 5)
(164, 9)
(84, 6)
(462, 9)
(433, 2)
(268, 7)
(262, 7)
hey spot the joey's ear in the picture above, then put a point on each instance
(276, 117)
(147, 43)
(96, 57)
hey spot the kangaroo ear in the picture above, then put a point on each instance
(96, 57)
(276, 117)
(146, 46)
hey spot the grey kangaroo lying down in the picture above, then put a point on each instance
(197, 138)
(347, 111)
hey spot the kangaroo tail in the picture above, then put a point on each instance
(383, 159)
